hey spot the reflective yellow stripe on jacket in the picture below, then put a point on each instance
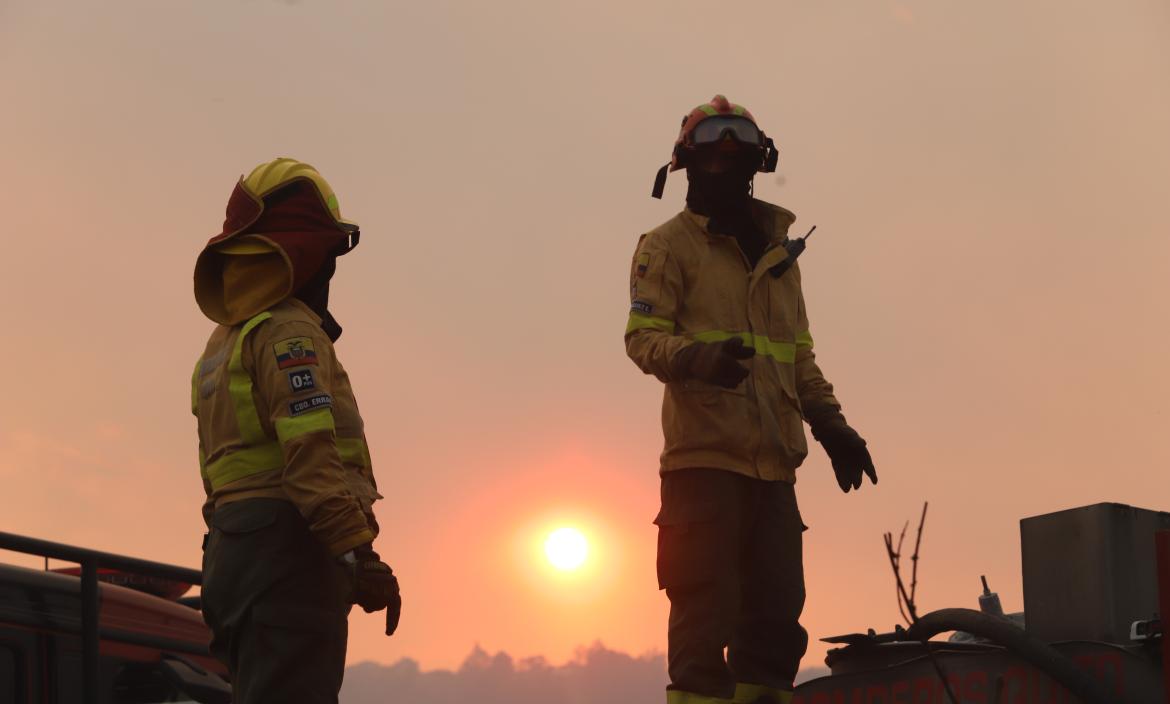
(784, 352)
(689, 284)
(240, 387)
(273, 424)
(640, 321)
(195, 412)
(259, 452)
(749, 693)
(677, 696)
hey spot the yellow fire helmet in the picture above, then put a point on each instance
(283, 223)
(273, 175)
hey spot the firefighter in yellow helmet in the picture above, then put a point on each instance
(717, 314)
(282, 451)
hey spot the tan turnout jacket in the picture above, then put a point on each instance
(686, 285)
(277, 419)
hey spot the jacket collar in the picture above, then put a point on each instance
(773, 219)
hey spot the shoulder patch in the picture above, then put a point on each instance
(294, 352)
(312, 403)
(643, 264)
(301, 380)
(641, 307)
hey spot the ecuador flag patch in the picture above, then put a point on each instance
(643, 264)
(295, 352)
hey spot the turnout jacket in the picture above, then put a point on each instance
(278, 419)
(689, 284)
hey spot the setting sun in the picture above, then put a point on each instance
(566, 548)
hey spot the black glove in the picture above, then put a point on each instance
(714, 362)
(374, 585)
(846, 449)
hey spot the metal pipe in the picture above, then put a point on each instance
(109, 560)
(89, 631)
(1003, 632)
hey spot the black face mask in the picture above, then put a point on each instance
(726, 198)
(725, 194)
(315, 294)
(718, 194)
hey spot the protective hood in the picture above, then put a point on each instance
(270, 246)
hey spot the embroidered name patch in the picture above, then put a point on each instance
(641, 307)
(294, 352)
(312, 403)
(301, 380)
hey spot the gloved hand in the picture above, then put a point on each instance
(374, 585)
(846, 449)
(714, 362)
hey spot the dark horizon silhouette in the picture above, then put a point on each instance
(595, 674)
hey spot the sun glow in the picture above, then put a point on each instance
(566, 548)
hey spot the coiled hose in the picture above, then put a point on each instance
(1003, 632)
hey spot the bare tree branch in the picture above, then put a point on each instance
(914, 557)
(907, 606)
(900, 587)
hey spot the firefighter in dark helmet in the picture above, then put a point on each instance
(718, 316)
(282, 451)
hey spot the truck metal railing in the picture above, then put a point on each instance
(91, 561)
(1162, 548)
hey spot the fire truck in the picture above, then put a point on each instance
(112, 630)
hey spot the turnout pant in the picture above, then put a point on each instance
(729, 558)
(276, 603)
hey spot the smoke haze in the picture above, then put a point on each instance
(989, 286)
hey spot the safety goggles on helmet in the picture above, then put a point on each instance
(353, 235)
(716, 129)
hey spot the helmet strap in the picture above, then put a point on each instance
(330, 326)
(771, 156)
(660, 181)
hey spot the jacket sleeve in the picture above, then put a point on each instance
(813, 390)
(656, 292)
(292, 363)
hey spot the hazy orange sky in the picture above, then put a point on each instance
(989, 287)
